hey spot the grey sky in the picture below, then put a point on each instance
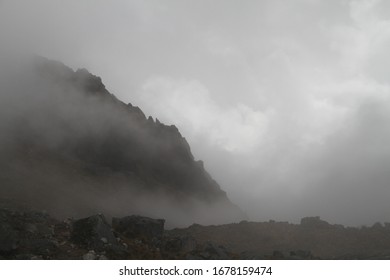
(287, 102)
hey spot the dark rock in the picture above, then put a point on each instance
(91, 255)
(193, 257)
(91, 232)
(28, 257)
(211, 251)
(277, 255)
(39, 246)
(89, 82)
(180, 244)
(250, 255)
(173, 244)
(8, 238)
(301, 255)
(146, 229)
(25, 233)
(117, 252)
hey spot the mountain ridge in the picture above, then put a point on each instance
(70, 127)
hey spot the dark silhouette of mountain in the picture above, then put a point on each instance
(70, 147)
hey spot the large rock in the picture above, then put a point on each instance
(143, 228)
(93, 232)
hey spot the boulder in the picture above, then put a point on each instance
(93, 232)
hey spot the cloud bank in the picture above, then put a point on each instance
(286, 102)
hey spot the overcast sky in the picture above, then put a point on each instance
(286, 102)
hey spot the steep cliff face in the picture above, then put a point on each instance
(72, 148)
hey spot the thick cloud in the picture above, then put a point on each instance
(285, 101)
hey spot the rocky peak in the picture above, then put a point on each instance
(98, 148)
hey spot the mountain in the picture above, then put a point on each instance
(70, 147)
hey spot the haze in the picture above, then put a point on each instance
(286, 102)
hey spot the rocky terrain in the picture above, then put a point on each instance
(313, 238)
(36, 235)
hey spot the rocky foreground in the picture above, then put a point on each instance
(36, 235)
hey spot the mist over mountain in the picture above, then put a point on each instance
(70, 147)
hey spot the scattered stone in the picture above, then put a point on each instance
(143, 228)
(35, 236)
(301, 255)
(250, 255)
(91, 255)
(31, 228)
(180, 244)
(206, 251)
(215, 252)
(277, 255)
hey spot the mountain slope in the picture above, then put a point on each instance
(70, 147)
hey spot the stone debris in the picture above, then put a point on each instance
(29, 235)
(91, 255)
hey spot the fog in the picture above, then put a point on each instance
(70, 148)
(287, 103)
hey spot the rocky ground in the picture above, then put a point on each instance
(36, 235)
(313, 238)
